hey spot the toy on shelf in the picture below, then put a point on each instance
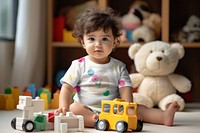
(139, 10)
(33, 118)
(67, 37)
(141, 24)
(130, 22)
(58, 27)
(116, 115)
(191, 31)
(149, 30)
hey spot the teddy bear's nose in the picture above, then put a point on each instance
(159, 58)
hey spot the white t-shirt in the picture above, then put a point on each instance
(95, 82)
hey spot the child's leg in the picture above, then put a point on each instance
(80, 109)
(158, 116)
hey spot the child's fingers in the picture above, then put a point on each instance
(61, 110)
(57, 111)
(64, 110)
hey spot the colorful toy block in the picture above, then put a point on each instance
(9, 102)
(10, 99)
(44, 96)
(51, 117)
(31, 88)
(40, 122)
(7, 90)
(3, 102)
(15, 94)
(74, 122)
(55, 100)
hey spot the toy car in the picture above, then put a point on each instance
(33, 118)
(121, 116)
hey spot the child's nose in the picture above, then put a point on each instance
(98, 43)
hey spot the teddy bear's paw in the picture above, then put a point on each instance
(164, 103)
(142, 100)
(181, 83)
(136, 79)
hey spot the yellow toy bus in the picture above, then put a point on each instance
(118, 115)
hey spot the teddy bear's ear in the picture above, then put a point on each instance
(133, 49)
(179, 48)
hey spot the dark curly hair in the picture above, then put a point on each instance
(96, 19)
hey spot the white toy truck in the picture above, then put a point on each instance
(34, 119)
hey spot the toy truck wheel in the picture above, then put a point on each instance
(102, 125)
(13, 123)
(28, 126)
(139, 126)
(121, 126)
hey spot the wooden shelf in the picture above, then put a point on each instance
(190, 45)
(123, 44)
(77, 45)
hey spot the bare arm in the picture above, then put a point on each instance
(65, 98)
(126, 94)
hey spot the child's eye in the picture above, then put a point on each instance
(105, 39)
(91, 39)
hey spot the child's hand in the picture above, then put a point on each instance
(61, 110)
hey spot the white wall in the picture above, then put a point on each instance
(6, 60)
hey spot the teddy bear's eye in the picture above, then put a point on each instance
(151, 51)
(163, 51)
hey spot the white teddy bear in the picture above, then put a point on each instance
(155, 63)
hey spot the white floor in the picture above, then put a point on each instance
(187, 121)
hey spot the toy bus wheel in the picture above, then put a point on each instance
(13, 123)
(95, 123)
(102, 125)
(139, 126)
(121, 126)
(28, 126)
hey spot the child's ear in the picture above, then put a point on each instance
(116, 42)
(82, 43)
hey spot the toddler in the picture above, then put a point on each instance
(97, 76)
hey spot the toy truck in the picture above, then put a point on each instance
(29, 107)
(33, 118)
(121, 116)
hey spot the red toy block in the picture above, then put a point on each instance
(51, 117)
(27, 94)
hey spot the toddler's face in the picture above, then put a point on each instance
(99, 45)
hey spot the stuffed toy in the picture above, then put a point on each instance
(150, 29)
(155, 81)
(138, 11)
(191, 31)
(130, 22)
(143, 7)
